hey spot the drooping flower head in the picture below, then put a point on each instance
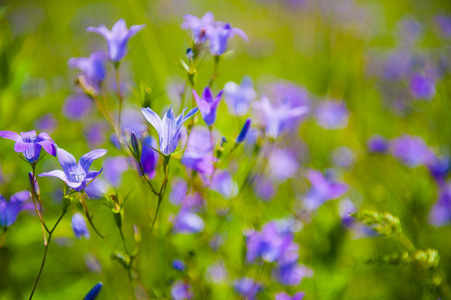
(30, 144)
(239, 97)
(276, 118)
(168, 128)
(10, 209)
(117, 38)
(79, 226)
(219, 37)
(323, 189)
(93, 68)
(208, 104)
(76, 175)
(199, 26)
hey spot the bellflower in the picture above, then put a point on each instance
(219, 37)
(77, 107)
(47, 122)
(30, 144)
(178, 265)
(223, 183)
(208, 104)
(282, 164)
(247, 287)
(332, 115)
(239, 97)
(199, 26)
(216, 272)
(243, 133)
(439, 167)
(377, 144)
(181, 290)
(422, 87)
(79, 226)
(114, 168)
(322, 190)
(76, 175)
(10, 209)
(199, 153)
(168, 128)
(444, 22)
(93, 68)
(411, 150)
(149, 157)
(343, 157)
(291, 274)
(117, 38)
(187, 222)
(276, 118)
(94, 292)
(285, 296)
(440, 213)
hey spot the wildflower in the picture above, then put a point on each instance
(377, 144)
(332, 115)
(343, 157)
(181, 290)
(208, 104)
(242, 136)
(285, 296)
(239, 97)
(10, 209)
(223, 183)
(92, 294)
(282, 164)
(168, 128)
(291, 273)
(47, 122)
(322, 190)
(439, 167)
(444, 22)
(199, 26)
(440, 213)
(117, 38)
(178, 265)
(114, 168)
(411, 150)
(187, 221)
(219, 37)
(216, 272)
(93, 67)
(276, 118)
(30, 144)
(77, 107)
(422, 87)
(79, 226)
(149, 157)
(247, 287)
(76, 175)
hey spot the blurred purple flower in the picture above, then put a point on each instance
(131, 121)
(199, 26)
(30, 144)
(322, 189)
(439, 167)
(117, 38)
(345, 208)
(239, 97)
(77, 107)
(97, 189)
(208, 104)
(377, 144)
(276, 118)
(76, 175)
(95, 134)
(247, 288)
(291, 274)
(332, 115)
(93, 68)
(444, 22)
(411, 150)
(149, 157)
(343, 157)
(181, 290)
(409, 30)
(216, 272)
(264, 188)
(47, 123)
(199, 153)
(422, 87)
(93, 263)
(219, 37)
(79, 226)
(179, 189)
(440, 213)
(285, 296)
(187, 222)
(168, 128)
(113, 169)
(282, 164)
(223, 183)
(178, 265)
(9, 210)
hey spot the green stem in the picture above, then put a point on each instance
(215, 70)
(119, 96)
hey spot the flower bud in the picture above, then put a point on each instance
(135, 145)
(34, 184)
(92, 294)
(242, 136)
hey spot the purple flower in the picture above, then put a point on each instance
(409, 30)
(10, 209)
(322, 189)
(93, 68)
(95, 134)
(264, 188)
(247, 288)
(422, 87)
(343, 157)
(345, 208)
(292, 273)
(242, 136)
(168, 128)
(178, 265)
(239, 97)
(411, 150)
(179, 189)
(377, 144)
(114, 167)
(282, 164)
(149, 157)
(440, 213)
(117, 38)
(199, 153)
(444, 22)
(223, 183)
(79, 226)
(219, 37)
(47, 122)
(439, 167)
(29, 144)
(187, 222)
(332, 115)
(199, 26)
(76, 175)
(216, 272)
(276, 118)
(77, 107)
(208, 104)
(181, 290)
(285, 296)
(92, 294)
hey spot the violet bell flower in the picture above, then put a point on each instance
(219, 37)
(10, 209)
(117, 38)
(76, 175)
(208, 104)
(239, 97)
(168, 128)
(199, 26)
(30, 144)
(93, 67)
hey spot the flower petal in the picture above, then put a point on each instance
(190, 114)
(67, 161)
(21, 196)
(152, 118)
(20, 146)
(87, 159)
(10, 135)
(49, 147)
(100, 30)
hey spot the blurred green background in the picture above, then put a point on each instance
(323, 46)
